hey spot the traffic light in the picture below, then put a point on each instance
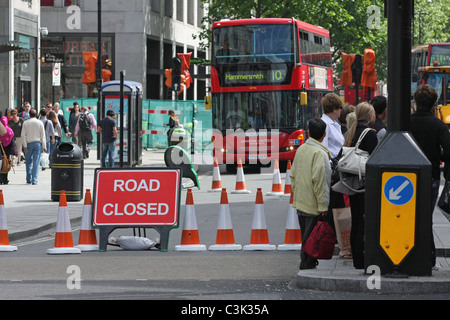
(186, 78)
(357, 70)
(369, 75)
(176, 74)
(347, 76)
(90, 62)
(106, 62)
(168, 74)
(207, 102)
(106, 75)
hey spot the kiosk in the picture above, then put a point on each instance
(129, 123)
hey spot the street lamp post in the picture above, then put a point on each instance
(99, 74)
(398, 228)
(420, 29)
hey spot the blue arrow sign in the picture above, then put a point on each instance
(399, 190)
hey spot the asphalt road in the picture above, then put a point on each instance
(117, 274)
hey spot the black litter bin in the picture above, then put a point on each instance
(67, 172)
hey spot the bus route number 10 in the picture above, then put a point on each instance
(277, 75)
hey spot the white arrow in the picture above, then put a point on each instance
(394, 195)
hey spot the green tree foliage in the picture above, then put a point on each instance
(431, 22)
(354, 25)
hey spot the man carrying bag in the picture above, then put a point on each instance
(311, 180)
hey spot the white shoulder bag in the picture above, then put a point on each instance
(353, 159)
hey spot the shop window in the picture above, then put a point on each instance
(180, 10)
(51, 3)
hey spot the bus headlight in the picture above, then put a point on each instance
(229, 151)
(287, 149)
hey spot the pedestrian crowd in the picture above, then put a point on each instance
(314, 169)
(29, 136)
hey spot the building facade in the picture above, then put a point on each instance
(19, 53)
(138, 36)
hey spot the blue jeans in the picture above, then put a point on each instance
(50, 149)
(33, 157)
(108, 150)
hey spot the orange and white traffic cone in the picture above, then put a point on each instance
(190, 240)
(240, 180)
(287, 181)
(63, 237)
(225, 234)
(293, 236)
(259, 239)
(87, 240)
(216, 181)
(277, 188)
(4, 235)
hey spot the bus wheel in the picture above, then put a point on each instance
(231, 168)
(283, 166)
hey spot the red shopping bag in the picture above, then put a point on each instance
(321, 241)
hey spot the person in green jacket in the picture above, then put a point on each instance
(311, 180)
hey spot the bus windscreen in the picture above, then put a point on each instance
(253, 44)
(440, 54)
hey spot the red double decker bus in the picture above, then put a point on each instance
(262, 71)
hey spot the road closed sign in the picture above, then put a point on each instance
(137, 197)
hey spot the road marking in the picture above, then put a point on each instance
(40, 240)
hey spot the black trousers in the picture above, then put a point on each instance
(357, 205)
(4, 178)
(86, 138)
(307, 223)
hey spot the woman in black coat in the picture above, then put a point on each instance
(365, 115)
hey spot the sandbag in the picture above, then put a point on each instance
(132, 242)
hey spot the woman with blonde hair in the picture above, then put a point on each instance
(349, 120)
(365, 115)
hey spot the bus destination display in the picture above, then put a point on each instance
(256, 77)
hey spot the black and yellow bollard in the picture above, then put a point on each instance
(398, 208)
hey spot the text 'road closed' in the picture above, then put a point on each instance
(144, 197)
(133, 185)
(140, 209)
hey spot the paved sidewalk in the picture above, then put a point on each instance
(30, 210)
(338, 274)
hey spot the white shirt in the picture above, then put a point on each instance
(334, 140)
